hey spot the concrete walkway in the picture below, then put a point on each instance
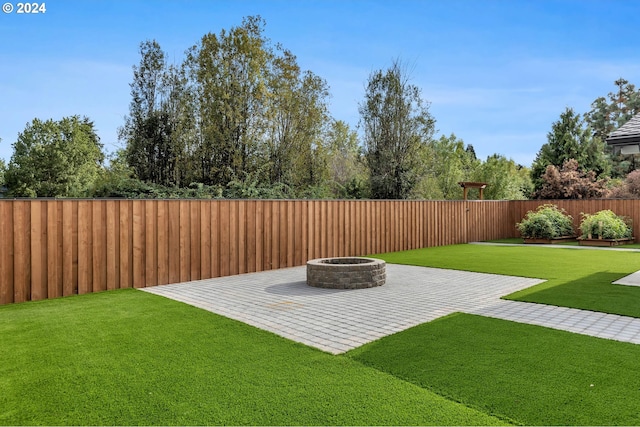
(339, 320)
(559, 246)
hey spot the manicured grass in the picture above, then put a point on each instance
(533, 375)
(132, 358)
(575, 277)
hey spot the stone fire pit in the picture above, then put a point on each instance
(346, 273)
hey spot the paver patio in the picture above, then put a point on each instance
(339, 320)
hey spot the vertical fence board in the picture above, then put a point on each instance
(195, 236)
(283, 234)
(185, 241)
(334, 229)
(99, 241)
(275, 235)
(205, 239)
(54, 250)
(126, 244)
(173, 240)
(250, 247)
(162, 241)
(242, 236)
(138, 243)
(290, 232)
(300, 234)
(21, 252)
(320, 229)
(37, 239)
(304, 234)
(224, 222)
(69, 240)
(7, 227)
(356, 220)
(367, 227)
(233, 237)
(259, 207)
(215, 238)
(111, 248)
(312, 219)
(283, 208)
(84, 247)
(267, 227)
(151, 243)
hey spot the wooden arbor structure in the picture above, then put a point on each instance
(467, 185)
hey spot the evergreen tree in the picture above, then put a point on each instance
(568, 139)
(608, 114)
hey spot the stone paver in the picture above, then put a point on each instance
(630, 280)
(602, 325)
(336, 320)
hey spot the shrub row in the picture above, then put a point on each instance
(549, 222)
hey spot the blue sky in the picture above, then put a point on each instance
(498, 73)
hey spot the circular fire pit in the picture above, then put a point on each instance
(346, 273)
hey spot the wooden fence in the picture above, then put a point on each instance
(53, 248)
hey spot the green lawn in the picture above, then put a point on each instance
(132, 358)
(575, 277)
(534, 375)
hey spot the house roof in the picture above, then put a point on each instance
(627, 134)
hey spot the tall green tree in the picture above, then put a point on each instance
(230, 76)
(445, 162)
(299, 114)
(347, 168)
(396, 123)
(3, 168)
(608, 114)
(568, 139)
(505, 179)
(156, 128)
(55, 159)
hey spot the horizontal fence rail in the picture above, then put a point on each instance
(53, 248)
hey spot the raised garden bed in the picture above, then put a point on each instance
(605, 242)
(539, 240)
(605, 228)
(546, 225)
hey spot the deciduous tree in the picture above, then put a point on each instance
(445, 162)
(396, 123)
(157, 127)
(298, 115)
(505, 179)
(3, 168)
(230, 76)
(570, 182)
(55, 159)
(347, 168)
(629, 188)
